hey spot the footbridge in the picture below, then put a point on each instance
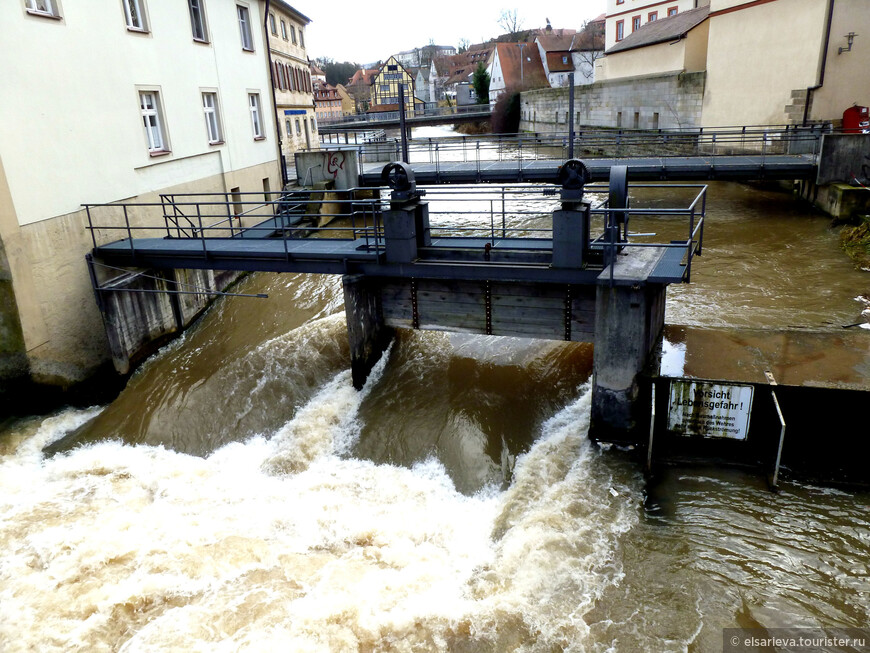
(553, 261)
(727, 153)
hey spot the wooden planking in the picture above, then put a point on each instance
(522, 310)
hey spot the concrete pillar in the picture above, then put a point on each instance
(628, 323)
(368, 335)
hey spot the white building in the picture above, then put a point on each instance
(110, 100)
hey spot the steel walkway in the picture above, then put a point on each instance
(446, 258)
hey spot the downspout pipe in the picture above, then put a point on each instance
(283, 163)
(811, 89)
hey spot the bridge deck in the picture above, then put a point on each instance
(745, 167)
(446, 257)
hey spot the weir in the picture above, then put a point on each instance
(568, 281)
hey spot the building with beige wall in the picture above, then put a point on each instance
(348, 106)
(761, 72)
(146, 97)
(756, 71)
(676, 44)
(294, 92)
(624, 17)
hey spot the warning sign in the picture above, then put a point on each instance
(709, 410)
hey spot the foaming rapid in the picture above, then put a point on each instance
(287, 543)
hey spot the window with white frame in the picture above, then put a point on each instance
(133, 12)
(212, 117)
(197, 20)
(283, 30)
(152, 117)
(245, 27)
(256, 114)
(289, 129)
(45, 7)
(272, 26)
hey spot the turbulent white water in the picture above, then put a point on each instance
(285, 542)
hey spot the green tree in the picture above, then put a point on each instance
(480, 81)
(336, 73)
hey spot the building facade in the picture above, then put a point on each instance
(515, 66)
(160, 98)
(813, 70)
(385, 88)
(327, 102)
(624, 17)
(294, 93)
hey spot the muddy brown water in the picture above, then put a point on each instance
(240, 495)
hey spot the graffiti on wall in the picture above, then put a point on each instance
(334, 161)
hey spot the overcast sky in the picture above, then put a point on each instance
(364, 32)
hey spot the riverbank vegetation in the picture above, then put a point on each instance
(855, 240)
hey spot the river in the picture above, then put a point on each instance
(240, 495)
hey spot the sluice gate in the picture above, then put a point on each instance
(414, 258)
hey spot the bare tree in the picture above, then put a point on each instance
(463, 45)
(509, 21)
(588, 47)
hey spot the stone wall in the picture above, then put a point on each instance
(665, 101)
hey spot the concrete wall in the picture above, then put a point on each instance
(341, 166)
(842, 156)
(676, 98)
(139, 322)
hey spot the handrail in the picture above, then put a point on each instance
(472, 209)
(661, 143)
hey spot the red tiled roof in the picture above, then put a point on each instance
(557, 40)
(663, 30)
(531, 75)
(362, 77)
(555, 64)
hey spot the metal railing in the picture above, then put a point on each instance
(284, 215)
(763, 141)
(524, 211)
(520, 212)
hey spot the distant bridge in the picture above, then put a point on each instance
(441, 116)
(737, 154)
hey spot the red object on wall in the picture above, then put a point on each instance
(856, 120)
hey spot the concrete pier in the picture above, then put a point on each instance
(368, 335)
(628, 324)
